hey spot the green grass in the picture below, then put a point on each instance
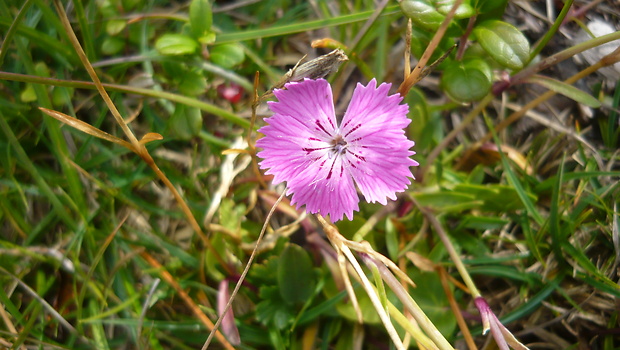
(96, 252)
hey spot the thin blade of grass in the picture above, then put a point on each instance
(514, 181)
(299, 27)
(25, 161)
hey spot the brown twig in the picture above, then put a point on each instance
(414, 76)
(166, 276)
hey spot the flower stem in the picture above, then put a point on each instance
(458, 263)
(551, 32)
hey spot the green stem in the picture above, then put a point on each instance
(299, 27)
(562, 55)
(458, 263)
(87, 35)
(554, 28)
(23, 159)
(209, 108)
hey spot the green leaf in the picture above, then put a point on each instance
(566, 90)
(507, 272)
(227, 55)
(429, 14)
(115, 26)
(505, 43)
(447, 201)
(112, 45)
(176, 44)
(496, 198)
(422, 13)
(186, 122)
(484, 6)
(28, 94)
(61, 96)
(271, 310)
(391, 239)
(297, 27)
(528, 203)
(192, 83)
(432, 299)
(467, 81)
(463, 11)
(482, 222)
(295, 275)
(200, 18)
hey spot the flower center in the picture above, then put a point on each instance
(338, 145)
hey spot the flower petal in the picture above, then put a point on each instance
(304, 120)
(333, 194)
(378, 147)
(310, 103)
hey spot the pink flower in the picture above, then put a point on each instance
(322, 160)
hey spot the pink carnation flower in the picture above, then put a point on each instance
(322, 160)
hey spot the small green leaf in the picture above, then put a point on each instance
(200, 18)
(484, 6)
(447, 201)
(112, 45)
(429, 14)
(176, 44)
(422, 13)
(227, 55)
(62, 95)
(566, 90)
(295, 275)
(272, 310)
(28, 94)
(186, 122)
(505, 43)
(42, 69)
(467, 81)
(207, 39)
(115, 26)
(463, 11)
(482, 222)
(192, 83)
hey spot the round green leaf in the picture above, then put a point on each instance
(463, 11)
(200, 18)
(429, 14)
(467, 81)
(505, 43)
(176, 44)
(28, 94)
(422, 13)
(112, 45)
(186, 122)
(62, 96)
(227, 55)
(295, 275)
(115, 26)
(192, 83)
